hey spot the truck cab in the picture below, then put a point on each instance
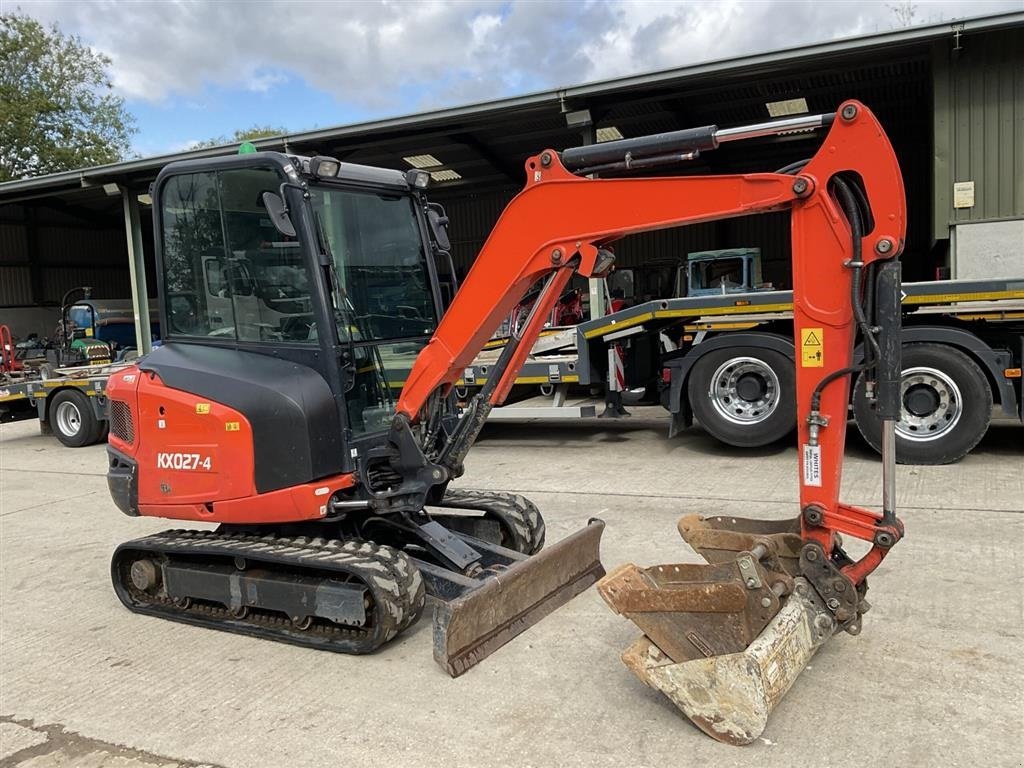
(730, 270)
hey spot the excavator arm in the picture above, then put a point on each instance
(562, 222)
(773, 592)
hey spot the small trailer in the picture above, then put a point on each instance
(72, 404)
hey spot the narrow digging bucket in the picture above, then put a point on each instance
(730, 697)
(473, 626)
(724, 640)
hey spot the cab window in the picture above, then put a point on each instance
(228, 272)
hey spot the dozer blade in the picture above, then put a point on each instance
(511, 599)
(730, 697)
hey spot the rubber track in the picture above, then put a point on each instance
(519, 516)
(395, 584)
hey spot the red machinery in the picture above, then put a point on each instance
(269, 410)
(9, 362)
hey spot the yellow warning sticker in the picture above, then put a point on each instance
(232, 426)
(202, 408)
(811, 354)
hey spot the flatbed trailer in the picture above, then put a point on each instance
(71, 404)
(728, 361)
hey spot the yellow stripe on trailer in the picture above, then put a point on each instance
(992, 316)
(744, 309)
(951, 298)
(723, 326)
(611, 327)
(571, 379)
(16, 396)
(665, 314)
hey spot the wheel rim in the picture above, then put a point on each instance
(930, 404)
(69, 418)
(744, 390)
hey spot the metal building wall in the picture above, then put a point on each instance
(473, 216)
(45, 251)
(15, 275)
(979, 126)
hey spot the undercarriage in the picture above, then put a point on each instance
(317, 585)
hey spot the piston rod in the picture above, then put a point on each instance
(673, 146)
(774, 127)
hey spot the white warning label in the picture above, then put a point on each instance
(812, 465)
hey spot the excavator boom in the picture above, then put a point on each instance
(848, 216)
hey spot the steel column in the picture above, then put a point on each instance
(137, 271)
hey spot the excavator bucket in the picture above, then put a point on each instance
(726, 640)
(474, 616)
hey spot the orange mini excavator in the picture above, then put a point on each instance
(299, 294)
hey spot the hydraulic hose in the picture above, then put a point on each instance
(849, 200)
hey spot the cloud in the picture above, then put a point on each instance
(388, 56)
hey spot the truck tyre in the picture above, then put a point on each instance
(72, 419)
(946, 408)
(744, 396)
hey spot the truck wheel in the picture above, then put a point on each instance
(72, 419)
(946, 408)
(744, 396)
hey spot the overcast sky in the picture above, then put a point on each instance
(195, 70)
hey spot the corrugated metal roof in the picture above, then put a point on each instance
(540, 110)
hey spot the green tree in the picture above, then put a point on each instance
(247, 134)
(58, 105)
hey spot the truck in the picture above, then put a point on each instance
(727, 360)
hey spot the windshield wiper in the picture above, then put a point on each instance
(350, 319)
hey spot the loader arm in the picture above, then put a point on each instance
(561, 222)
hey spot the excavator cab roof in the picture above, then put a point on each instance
(302, 168)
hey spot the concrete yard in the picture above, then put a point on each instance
(934, 679)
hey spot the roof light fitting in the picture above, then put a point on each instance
(422, 161)
(578, 119)
(324, 167)
(608, 133)
(787, 107)
(445, 175)
(417, 178)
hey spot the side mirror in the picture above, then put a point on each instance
(278, 213)
(438, 222)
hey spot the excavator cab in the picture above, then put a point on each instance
(347, 290)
